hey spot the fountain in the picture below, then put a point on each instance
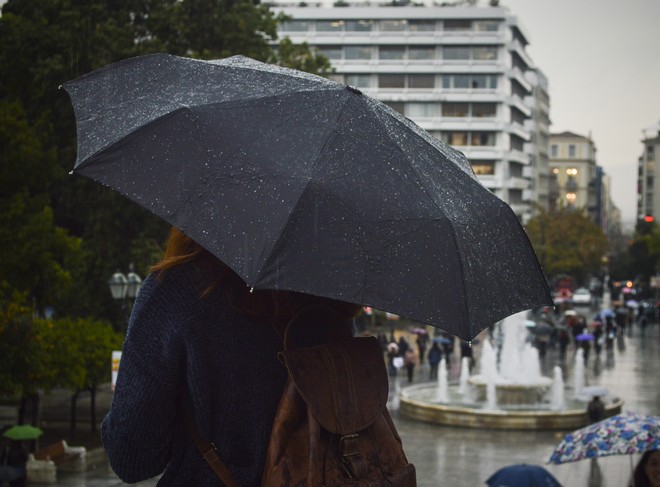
(507, 394)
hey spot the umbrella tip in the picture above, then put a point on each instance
(353, 89)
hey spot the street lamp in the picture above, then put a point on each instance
(125, 288)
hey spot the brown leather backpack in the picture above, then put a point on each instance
(332, 427)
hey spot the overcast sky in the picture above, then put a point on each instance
(602, 61)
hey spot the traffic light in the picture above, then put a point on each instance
(649, 219)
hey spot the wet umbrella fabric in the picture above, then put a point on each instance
(23, 432)
(584, 337)
(522, 475)
(299, 183)
(625, 434)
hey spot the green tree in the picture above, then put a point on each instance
(301, 57)
(568, 242)
(44, 43)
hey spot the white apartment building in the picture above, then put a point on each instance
(460, 72)
(649, 165)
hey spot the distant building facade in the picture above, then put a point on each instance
(576, 180)
(649, 166)
(461, 73)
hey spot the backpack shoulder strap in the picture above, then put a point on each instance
(209, 452)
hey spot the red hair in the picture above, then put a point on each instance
(271, 305)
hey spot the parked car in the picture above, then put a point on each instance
(582, 296)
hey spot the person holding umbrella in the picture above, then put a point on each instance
(647, 471)
(199, 343)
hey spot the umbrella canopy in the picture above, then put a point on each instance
(522, 475)
(624, 434)
(584, 337)
(418, 331)
(592, 391)
(443, 340)
(23, 432)
(300, 183)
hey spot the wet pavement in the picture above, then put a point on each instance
(447, 456)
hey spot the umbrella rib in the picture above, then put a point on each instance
(420, 180)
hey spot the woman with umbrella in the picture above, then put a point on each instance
(647, 471)
(199, 342)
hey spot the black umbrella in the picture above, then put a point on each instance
(300, 183)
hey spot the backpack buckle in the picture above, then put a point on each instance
(352, 462)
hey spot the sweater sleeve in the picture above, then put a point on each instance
(138, 430)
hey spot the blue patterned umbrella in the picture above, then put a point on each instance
(624, 434)
(522, 475)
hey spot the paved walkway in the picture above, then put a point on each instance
(446, 456)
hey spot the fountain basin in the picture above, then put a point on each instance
(510, 394)
(413, 403)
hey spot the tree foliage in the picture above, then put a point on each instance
(63, 236)
(568, 242)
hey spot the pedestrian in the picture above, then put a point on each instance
(598, 339)
(563, 343)
(435, 355)
(647, 470)
(595, 410)
(466, 352)
(392, 358)
(403, 346)
(421, 346)
(410, 360)
(199, 344)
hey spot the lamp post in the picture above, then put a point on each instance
(125, 288)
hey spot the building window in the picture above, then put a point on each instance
(484, 110)
(422, 110)
(421, 53)
(482, 139)
(359, 80)
(515, 197)
(484, 53)
(650, 153)
(454, 110)
(517, 143)
(421, 25)
(329, 25)
(359, 25)
(455, 138)
(421, 81)
(517, 116)
(571, 150)
(456, 52)
(515, 170)
(553, 153)
(357, 52)
(485, 26)
(331, 52)
(483, 81)
(458, 25)
(393, 25)
(467, 81)
(391, 53)
(483, 168)
(476, 139)
(295, 26)
(391, 81)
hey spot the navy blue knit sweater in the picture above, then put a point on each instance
(180, 347)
